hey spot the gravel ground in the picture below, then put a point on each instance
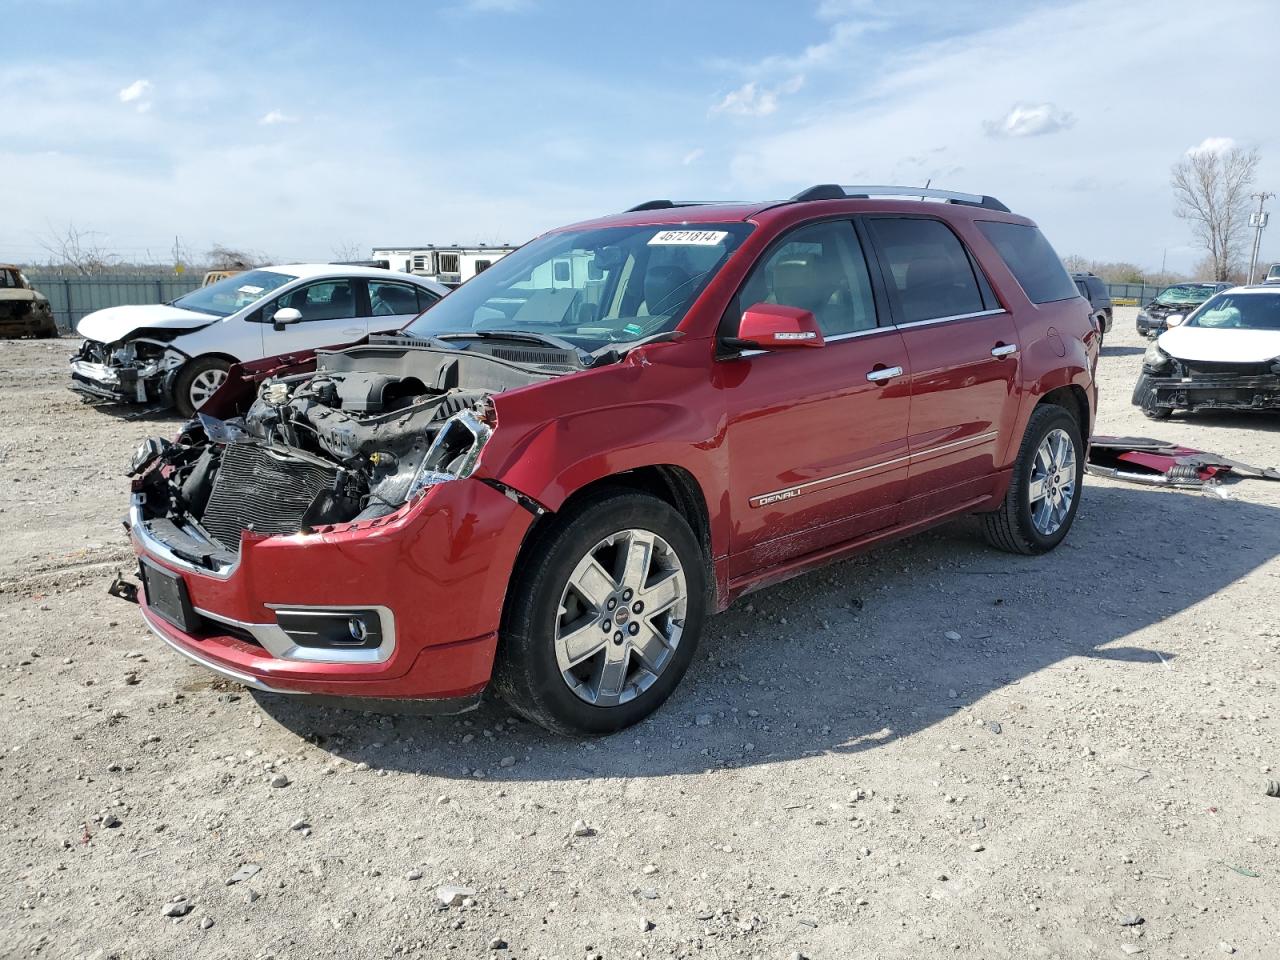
(932, 750)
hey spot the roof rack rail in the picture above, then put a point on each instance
(664, 205)
(834, 191)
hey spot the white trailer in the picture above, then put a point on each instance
(450, 265)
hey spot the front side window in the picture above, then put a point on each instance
(326, 300)
(233, 293)
(927, 269)
(819, 268)
(590, 287)
(1238, 311)
(1031, 260)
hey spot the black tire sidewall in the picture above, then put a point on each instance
(527, 649)
(1053, 418)
(1144, 396)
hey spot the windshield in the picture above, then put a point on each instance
(234, 293)
(589, 287)
(1239, 311)
(1185, 293)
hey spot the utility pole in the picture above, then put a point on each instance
(1259, 222)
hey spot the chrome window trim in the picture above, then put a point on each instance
(955, 316)
(281, 646)
(788, 493)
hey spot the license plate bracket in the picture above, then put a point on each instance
(167, 596)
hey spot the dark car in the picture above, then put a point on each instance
(1179, 298)
(546, 482)
(1094, 290)
(23, 312)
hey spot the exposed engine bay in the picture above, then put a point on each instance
(370, 430)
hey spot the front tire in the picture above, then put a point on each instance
(1044, 491)
(604, 615)
(197, 382)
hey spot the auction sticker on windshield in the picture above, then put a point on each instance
(688, 238)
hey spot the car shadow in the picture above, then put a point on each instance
(1268, 420)
(1121, 351)
(868, 651)
(133, 413)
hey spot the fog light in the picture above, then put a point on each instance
(346, 629)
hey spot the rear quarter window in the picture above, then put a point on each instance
(1031, 260)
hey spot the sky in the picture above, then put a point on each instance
(308, 130)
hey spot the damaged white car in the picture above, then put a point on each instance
(1224, 356)
(178, 353)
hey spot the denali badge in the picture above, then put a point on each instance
(767, 498)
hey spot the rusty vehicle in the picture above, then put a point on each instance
(23, 312)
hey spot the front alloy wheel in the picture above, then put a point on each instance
(621, 617)
(603, 615)
(1053, 482)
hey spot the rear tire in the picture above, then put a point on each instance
(196, 382)
(1044, 491)
(1144, 396)
(544, 670)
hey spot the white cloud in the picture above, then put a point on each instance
(134, 91)
(273, 117)
(693, 156)
(1212, 145)
(1030, 120)
(755, 100)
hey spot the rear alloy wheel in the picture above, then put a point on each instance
(198, 381)
(603, 623)
(1044, 491)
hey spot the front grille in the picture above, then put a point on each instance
(1205, 368)
(260, 491)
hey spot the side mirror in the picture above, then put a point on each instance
(1174, 319)
(285, 316)
(775, 326)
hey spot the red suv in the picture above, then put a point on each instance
(547, 481)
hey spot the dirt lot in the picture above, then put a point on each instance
(839, 776)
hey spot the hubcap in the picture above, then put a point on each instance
(1053, 482)
(620, 618)
(205, 384)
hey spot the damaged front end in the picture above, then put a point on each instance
(139, 370)
(361, 438)
(1168, 382)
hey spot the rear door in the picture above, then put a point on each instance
(334, 311)
(963, 350)
(393, 303)
(816, 437)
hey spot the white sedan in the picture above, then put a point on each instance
(1225, 355)
(178, 353)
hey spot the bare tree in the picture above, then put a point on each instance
(220, 257)
(1211, 191)
(348, 250)
(76, 250)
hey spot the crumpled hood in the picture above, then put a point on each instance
(1221, 345)
(116, 323)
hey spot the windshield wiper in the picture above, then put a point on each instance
(546, 339)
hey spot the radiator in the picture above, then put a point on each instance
(260, 491)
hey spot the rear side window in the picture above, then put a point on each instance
(928, 270)
(1031, 260)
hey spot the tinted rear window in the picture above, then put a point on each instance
(928, 270)
(1031, 260)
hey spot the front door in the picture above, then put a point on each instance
(816, 437)
(332, 311)
(963, 348)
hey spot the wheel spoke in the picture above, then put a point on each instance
(660, 595)
(650, 647)
(636, 559)
(612, 677)
(594, 584)
(1037, 490)
(580, 644)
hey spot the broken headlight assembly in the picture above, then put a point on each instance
(454, 452)
(1155, 359)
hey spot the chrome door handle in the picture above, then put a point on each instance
(884, 373)
(1004, 349)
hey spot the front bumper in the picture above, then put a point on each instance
(437, 573)
(122, 384)
(1216, 392)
